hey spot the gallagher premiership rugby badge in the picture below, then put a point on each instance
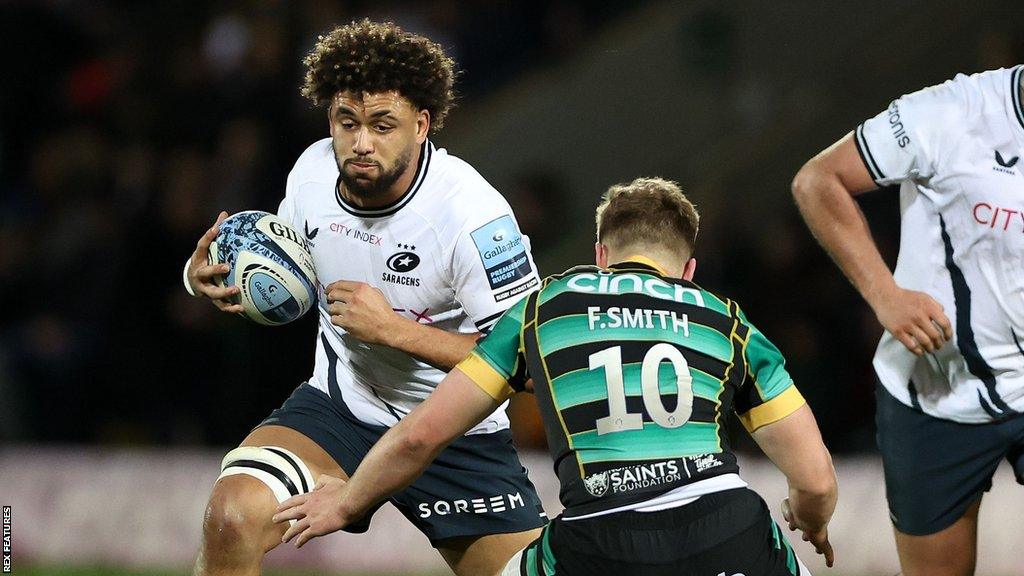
(504, 256)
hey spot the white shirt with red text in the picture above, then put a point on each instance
(955, 150)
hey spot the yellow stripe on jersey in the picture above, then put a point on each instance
(486, 377)
(773, 410)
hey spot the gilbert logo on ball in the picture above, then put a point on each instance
(271, 264)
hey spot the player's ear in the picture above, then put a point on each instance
(330, 123)
(601, 254)
(689, 269)
(422, 125)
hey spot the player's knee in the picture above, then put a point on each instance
(253, 481)
(238, 516)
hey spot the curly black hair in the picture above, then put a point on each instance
(374, 57)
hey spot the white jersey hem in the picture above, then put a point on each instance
(674, 498)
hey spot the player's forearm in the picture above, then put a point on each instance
(813, 509)
(795, 446)
(807, 465)
(441, 349)
(838, 224)
(402, 454)
(813, 489)
(810, 472)
(394, 462)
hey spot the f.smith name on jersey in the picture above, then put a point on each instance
(616, 317)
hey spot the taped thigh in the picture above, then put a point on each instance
(282, 471)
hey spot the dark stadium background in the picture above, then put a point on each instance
(127, 126)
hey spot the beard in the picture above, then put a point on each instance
(371, 188)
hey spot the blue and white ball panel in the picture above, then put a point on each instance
(277, 295)
(292, 244)
(271, 264)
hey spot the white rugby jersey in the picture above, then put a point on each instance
(955, 149)
(448, 253)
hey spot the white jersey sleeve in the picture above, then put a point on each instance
(286, 209)
(492, 265)
(910, 138)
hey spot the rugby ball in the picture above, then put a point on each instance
(271, 264)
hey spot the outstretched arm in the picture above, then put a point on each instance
(794, 444)
(393, 463)
(824, 189)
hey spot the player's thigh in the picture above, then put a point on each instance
(514, 565)
(487, 554)
(280, 458)
(312, 455)
(949, 552)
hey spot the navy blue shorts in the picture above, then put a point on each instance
(476, 486)
(729, 532)
(935, 468)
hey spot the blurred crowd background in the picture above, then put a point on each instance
(127, 126)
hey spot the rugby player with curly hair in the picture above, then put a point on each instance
(416, 256)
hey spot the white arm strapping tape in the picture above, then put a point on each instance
(184, 278)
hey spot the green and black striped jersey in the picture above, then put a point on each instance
(634, 373)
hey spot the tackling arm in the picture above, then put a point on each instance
(394, 462)
(794, 444)
(402, 454)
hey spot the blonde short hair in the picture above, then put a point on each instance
(647, 212)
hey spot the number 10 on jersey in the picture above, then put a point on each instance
(618, 419)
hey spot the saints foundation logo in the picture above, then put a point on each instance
(597, 484)
(633, 477)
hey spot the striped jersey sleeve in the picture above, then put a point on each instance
(906, 140)
(767, 393)
(498, 363)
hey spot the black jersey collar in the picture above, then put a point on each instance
(426, 151)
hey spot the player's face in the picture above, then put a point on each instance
(377, 140)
